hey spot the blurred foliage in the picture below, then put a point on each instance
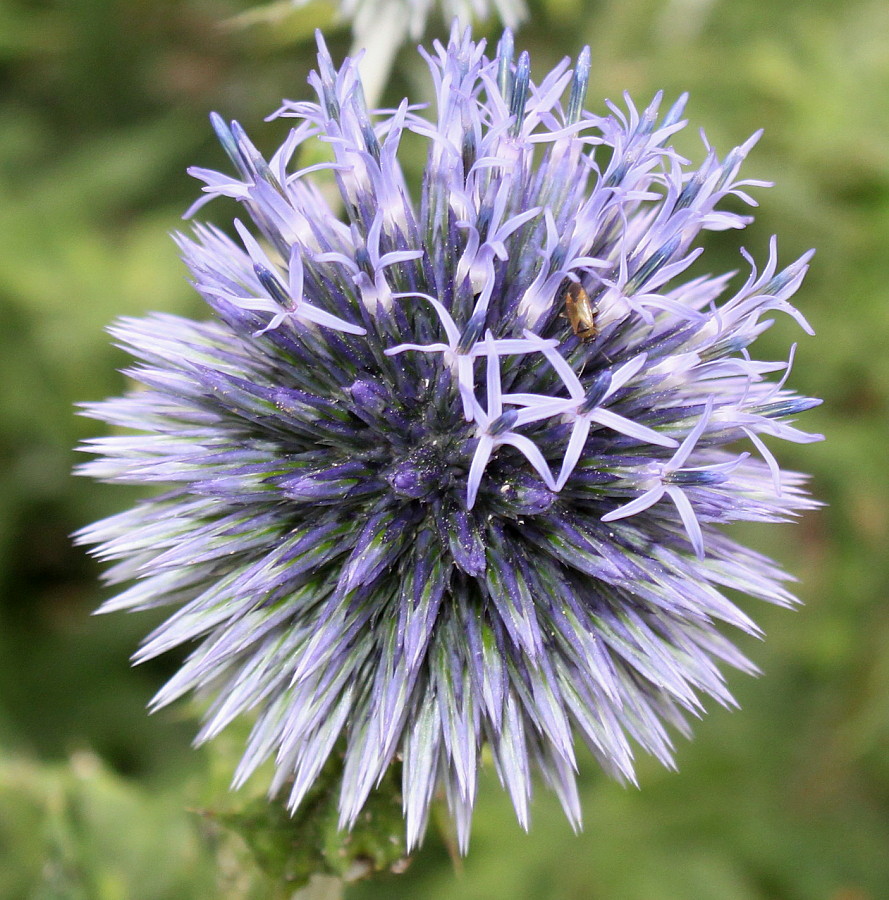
(79, 831)
(102, 106)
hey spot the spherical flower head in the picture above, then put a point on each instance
(450, 471)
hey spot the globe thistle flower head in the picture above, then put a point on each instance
(449, 469)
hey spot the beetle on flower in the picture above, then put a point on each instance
(408, 511)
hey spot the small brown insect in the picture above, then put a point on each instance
(580, 312)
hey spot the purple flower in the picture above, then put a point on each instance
(407, 511)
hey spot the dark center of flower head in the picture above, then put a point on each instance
(405, 442)
(422, 471)
(409, 441)
(421, 447)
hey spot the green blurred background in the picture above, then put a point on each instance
(103, 105)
